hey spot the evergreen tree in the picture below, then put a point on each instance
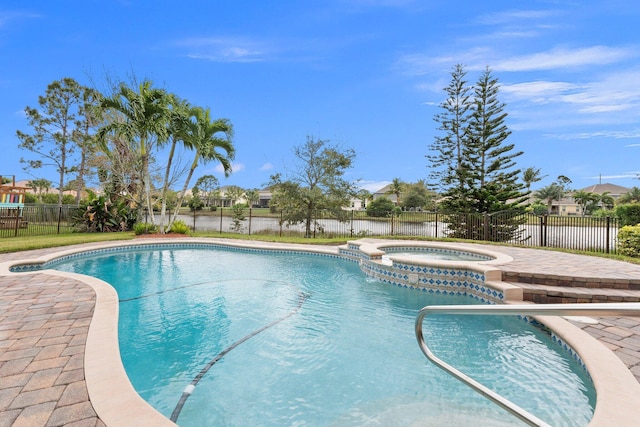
(447, 164)
(491, 161)
(475, 166)
(54, 123)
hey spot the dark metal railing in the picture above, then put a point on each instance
(514, 227)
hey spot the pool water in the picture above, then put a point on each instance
(347, 357)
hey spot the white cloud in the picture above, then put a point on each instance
(635, 133)
(225, 49)
(562, 58)
(235, 167)
(266, 167)
(508, 17)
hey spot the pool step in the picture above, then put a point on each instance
(549, 294)
(620, 283)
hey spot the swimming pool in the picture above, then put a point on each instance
(347, 357)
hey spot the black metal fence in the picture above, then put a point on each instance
(36, 220)
(514, 227)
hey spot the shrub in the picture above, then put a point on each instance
(144, 228)
(381, 207)
(629, 241)
(99, 214)
(179, 227)
(628, 214)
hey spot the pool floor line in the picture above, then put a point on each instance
(189, 389)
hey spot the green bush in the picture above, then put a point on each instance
(629, 241)
(381, 207)
(99, 214)
(628, 214)
(144, 228)
(179, 227)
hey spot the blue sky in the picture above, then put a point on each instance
(365, 74)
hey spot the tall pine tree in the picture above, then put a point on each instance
(494, 178)
(448, 169)
(474, 166)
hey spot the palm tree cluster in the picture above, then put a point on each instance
(137, 124)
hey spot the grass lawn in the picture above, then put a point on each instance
(25, 243)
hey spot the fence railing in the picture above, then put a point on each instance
(514, 227)
(36, 220)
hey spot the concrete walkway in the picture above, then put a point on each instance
(44, 321)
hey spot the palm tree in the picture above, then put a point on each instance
(606, 201)
(397, 188)
(531, 175)
(252, 196)
(206, 137)
(584, 199)
(633, 195)
(144, 115)
(550, 193)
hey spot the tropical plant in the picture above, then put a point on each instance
(252, 196)
(144, 228)
(211, 140)
(585, 199)
(99, 214)
(233, 193)
(549, 194)
(140, 123)
(179, 227)
(531, 175)
(631, 196)
(397, 187)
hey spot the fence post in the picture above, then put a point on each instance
(221, 219)
(436, 236)
(352, 213)
(249, 220)
(485, 226)
(281, 223)
(59, 217)
(543, 230)
(607, 233)
(194, 220)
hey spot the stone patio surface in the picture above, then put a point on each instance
(44, 321)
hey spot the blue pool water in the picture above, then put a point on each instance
(347, 357)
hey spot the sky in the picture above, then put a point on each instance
(368, 75)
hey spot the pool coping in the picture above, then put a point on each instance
(117, 403)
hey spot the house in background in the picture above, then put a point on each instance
(568, 206)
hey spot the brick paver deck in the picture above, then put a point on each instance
(44, 322)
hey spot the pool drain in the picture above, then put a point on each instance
(302, 297)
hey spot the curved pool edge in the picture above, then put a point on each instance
(617, 389)
(117, 403)
(111, 394)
